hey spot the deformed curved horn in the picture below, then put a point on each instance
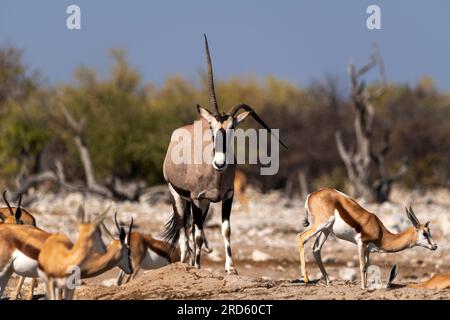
(212, 91)
(233, 111)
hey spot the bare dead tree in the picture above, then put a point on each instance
(366, 168)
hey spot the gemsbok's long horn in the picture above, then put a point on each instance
(212, 91)
(233, 111)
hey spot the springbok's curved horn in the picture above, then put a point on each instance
(117, 223)
(7, 203)
(129, 232)
(233, 111)
(212, 91)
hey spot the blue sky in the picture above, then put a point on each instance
(296, 40)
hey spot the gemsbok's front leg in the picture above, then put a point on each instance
(199, 213)
(226, 233)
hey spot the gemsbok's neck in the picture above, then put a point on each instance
(394, 242)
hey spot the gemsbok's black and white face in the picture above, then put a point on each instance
(222, 127)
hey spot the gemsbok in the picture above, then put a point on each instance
(59, 258)
(336, 213)
(195, 184)
(148, 253)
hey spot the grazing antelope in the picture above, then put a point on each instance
(148, 253)
(194, 186)
(18, 216)
(335, 212)
(117, 254)
(240, 185)
(58, 257)
(436, 282)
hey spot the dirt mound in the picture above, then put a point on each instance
(179, 281)
(176, 281)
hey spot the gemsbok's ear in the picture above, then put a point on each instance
(208, 116)
(242, 116)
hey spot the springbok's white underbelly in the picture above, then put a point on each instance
(342, 230)
(153, 260)
(24, 266)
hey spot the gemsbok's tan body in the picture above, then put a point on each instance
(148, 253)
(336, 213)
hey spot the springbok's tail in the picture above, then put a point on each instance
(306, 217)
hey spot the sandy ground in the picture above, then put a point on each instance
(265, 252)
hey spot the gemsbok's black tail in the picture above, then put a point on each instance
(171, 230)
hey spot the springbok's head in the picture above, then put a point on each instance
(91, 230)
(15, 216)
(422, 231)
(222, 124)
(125, 243)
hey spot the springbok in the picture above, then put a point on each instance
(18, 216)
(148, 253)
(336, 213)
(20, 246)
(436, 282)
(59, 257)
(195, 185)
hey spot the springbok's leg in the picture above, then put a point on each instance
(199, 213)
(16, 293)
(226, 233)
(362, 247)
(302, 239)
(180, 209)
(120, 278)
(320, 240)
(4, 278)
(33, 285)
(69, 293)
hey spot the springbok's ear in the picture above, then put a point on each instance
(208, 116)
(122, 235)
(242, 116)
(18, 215)
(80, 214)
(427, 224)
